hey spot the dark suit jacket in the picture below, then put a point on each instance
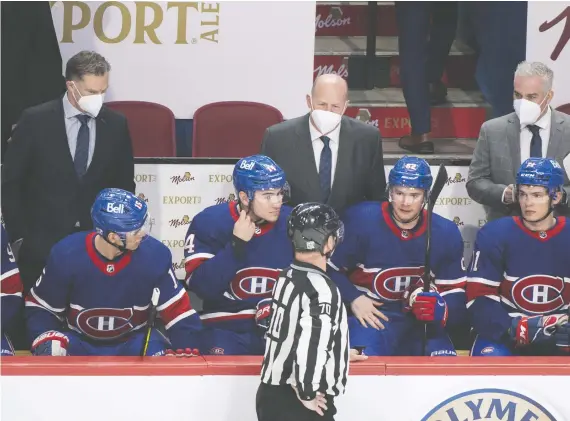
(42, 197)
(31, 60)
(359, 173)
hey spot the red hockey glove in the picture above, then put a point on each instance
(182, 353)
(263, 313)
(536, 329)
(51, 343)
(426, 306)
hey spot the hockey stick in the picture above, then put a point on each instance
(151, 319)
(437, 187)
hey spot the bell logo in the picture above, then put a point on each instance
(247, 165)
(111, 208)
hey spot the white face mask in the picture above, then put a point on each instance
(91, 104)
(527, 111)
(325, 121)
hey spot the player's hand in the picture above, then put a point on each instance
(562, 335)
(263, 313)
(427, 307)
(182, 353)
(355, 356)
(509, 194)
(536, 329)
(50, 343)
(244, 228)
(319, 404)
(365, 310)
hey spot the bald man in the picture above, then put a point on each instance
(327, 156)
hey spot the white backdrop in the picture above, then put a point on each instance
(547, 24)
(187, 54)
(175, 193)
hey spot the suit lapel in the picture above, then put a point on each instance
(343, 160)
(60, 142)
(555, 134)
(101, 144)
(306, 156)
(513, 138)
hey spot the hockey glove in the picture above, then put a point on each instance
(562, 335)
(50, 343)
(427, 307)
(535, 329)
(182, 353)
(263, 313)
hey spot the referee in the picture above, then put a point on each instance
(306, 353)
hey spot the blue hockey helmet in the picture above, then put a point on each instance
(543, 172)
(120, 212)
(411, 171)
(258, 172)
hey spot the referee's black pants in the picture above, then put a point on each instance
(280, 403)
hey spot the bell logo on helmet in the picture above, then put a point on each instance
(111, 208)
(247, 165)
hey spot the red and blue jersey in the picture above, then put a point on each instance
(229, 285)
(517, 272)
(381, 260)
(107, 300)
(11, 287)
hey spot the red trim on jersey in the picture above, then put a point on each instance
(263, 229)
(398, 232)
(191, 265)
(176, 309)
(551, 233)
(108, 267)
(11, 284)
(448, 287)
(477, 289)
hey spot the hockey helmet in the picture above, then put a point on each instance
(120, 212)
(543, 172)
(411, 171)
(310, 225)
(259, 172)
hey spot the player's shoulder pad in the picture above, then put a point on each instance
(67, 247)
(494, 232)
(212, 219)
(155, 250)
(362, 213)
(444, 225)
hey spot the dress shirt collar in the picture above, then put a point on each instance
(69, 110)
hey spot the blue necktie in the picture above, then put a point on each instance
(325, 169)
(82, 147)
(536, 142)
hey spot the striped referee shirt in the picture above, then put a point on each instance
(307, 339)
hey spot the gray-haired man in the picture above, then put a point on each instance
(62, 154)
(533, 130)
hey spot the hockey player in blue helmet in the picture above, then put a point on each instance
(381, 262)
(234, 252)
(94, 294)
(518, 299)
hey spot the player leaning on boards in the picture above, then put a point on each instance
(234, 252)
(94, 294)
(11, 289)
(519, 277)
(306, 355)
(383, 257)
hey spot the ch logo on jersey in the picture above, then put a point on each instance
(390, 284)
(254, 282)
(106, 323)
(538, 294)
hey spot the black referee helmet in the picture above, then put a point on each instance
(310, 225)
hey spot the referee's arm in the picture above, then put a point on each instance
(316, 331)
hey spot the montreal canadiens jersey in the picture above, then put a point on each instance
(382, 260)
(10, 283)
(517, 272)
(107, 301)
(229, 286)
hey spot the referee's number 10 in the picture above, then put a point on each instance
(276, 321)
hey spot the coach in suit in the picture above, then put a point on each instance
(533, 130)
(62, 154)
(328, 157)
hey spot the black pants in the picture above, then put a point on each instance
(280, 403)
